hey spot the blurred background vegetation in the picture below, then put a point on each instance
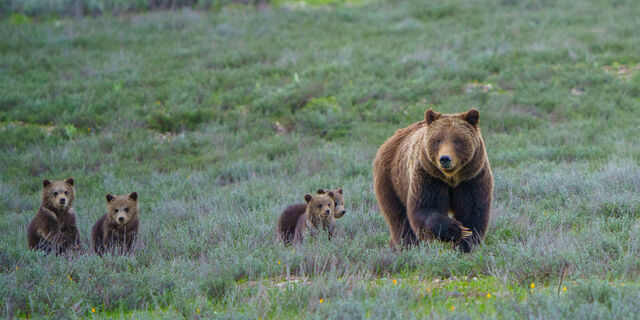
(78, 8)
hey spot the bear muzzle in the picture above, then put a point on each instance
(325, 214)
(445, 162)
(121, 218)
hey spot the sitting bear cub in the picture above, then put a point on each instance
(116, 231)
(54, 229)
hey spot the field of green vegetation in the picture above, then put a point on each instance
(220, 119)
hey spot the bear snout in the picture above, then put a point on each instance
(63, 200)
(121, 218)
(445, 161)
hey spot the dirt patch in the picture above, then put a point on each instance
(621, 71)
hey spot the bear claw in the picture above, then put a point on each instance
(466, 232)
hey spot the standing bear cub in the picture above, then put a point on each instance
(54, 229)
(430, 171)
(318, 213)
(289, 217)
(117, 229)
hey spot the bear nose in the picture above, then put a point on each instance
(445, 161)
(63, 200)
(343, 211)
(327, 211)
(121, 219)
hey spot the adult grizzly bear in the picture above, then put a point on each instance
(433, 169)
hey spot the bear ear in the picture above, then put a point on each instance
(330, 194)
(431, 116)
(133, 196)
(321, 191)
(110, 197)
(472, 116)
(307, 197)
(339, 191)
(46, 182)
(69, 181)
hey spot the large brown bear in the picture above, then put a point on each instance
(54, 229)
(433, 169)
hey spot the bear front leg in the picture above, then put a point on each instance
(51, 233)
(130, 238)
(328, 226)
(71, 229)
(471, 205)
(301, 226)
(427, 208)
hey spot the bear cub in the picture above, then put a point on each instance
(339, 210)
(116, 231)
(318, 212)
(54, 229)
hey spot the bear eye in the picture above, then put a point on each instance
(66, 192)
(126, 209)
(116, 210)
(320, 206)
(457, 141)
(437, 140)
(55, 193)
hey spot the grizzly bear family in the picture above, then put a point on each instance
(432, 180)
(433, 169)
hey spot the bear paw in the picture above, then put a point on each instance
(459, 232)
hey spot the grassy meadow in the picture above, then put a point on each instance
(219, 119)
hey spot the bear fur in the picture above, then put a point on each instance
(433, 169)
(116, 231)
(317, 212)
(338, 211)
(54, 229)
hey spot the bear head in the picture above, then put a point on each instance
(452, 139)
(123, 209)
(338, 203)
(58, 195)
(320, 206)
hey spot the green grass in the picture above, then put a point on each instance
(220, 119)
